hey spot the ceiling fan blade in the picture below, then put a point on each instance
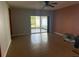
(51, 6)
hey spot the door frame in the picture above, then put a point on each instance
(41, 25)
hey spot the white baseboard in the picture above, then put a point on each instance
(60, 34)
(7, 49)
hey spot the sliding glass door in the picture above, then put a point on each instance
(43, 24)
(38, 24)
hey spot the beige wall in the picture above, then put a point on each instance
(5, 38)
(67, 20)
(20, 20)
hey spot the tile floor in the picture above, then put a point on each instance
(40, 45)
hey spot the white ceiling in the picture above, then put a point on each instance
(40, 4)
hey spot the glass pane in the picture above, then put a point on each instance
(44, 23)
(35, 24)
(33, 21)
(38, 23)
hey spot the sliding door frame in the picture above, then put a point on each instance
(41, 25)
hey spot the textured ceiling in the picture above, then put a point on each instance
(40, 4)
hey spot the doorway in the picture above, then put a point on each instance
(39, 24)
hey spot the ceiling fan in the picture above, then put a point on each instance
(48, 4)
